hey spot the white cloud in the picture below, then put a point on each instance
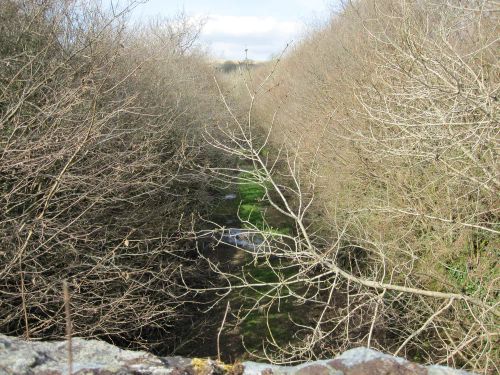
(229, 36)
(249, 25)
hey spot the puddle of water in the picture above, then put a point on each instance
(242, 238)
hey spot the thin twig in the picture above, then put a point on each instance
(68, 326)
(220, 331)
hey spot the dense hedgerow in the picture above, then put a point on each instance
(100, 132)
(394, 104)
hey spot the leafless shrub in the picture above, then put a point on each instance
(389, 120)
(98, 135)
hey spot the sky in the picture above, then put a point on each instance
(262, 27)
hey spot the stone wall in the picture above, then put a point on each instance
(100, 358)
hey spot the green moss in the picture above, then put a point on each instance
(250, 191)
(252, 213)
(280, 231)
(264, 152)
(255, 328)
(265, 273)
(253, 209)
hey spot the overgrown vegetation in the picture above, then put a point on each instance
(384, 126)
(100, 133)
(366, 160)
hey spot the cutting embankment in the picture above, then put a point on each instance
(364, 159)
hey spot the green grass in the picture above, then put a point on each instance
(256, 211)
(252, 213)
(250, 191)
(251, 195)
(471, 283)
(475, 267)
